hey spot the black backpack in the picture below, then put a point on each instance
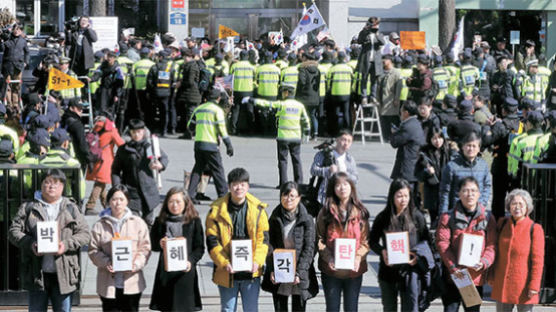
(204, 79)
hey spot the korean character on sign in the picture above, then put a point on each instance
(241, 252)
(177, 253)
(242, 255)
(345, 251)
(398, 245)
(47, 234)
(47, 237)
(284, 265)
(122, 253)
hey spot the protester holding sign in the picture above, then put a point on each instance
(399, 216)
(119, 291)
(177, 291)
(54, 276)
(343, 216)
(293, 229)
(467, 217)
(237, 216)
(517, 273)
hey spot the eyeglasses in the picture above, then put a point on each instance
(52, 183)
(290, 196)
(469, 191)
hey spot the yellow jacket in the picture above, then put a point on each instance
(219, 236)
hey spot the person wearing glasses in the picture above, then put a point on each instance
(291, 227)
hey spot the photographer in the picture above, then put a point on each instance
(328, 161)
(16, 57)
(81, 46)
(370, 59)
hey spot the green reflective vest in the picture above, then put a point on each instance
(69, 93)
(212, 67)
(544, 73)
(442, 78)
(533, 88)
(281, 64)
(56, 158)
(404, 74)
(93, 85)
(126, 64)
(352, 64)
(339, 79)
(289, 76)
(323, 68)
(542, 145)
(522, 150)
(453, 87)
(292, 118)
(7, 131)
(209, 123)
(469, 76)
(140, 71)
(28, 159)
(177, 69)
(268, 78)
(244, 76)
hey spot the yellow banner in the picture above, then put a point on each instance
(57, 81)
(224, 32)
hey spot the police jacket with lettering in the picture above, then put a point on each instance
(159, 79)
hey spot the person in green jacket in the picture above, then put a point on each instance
(243, 85)
(339, 79)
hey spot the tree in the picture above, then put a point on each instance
(98, 7)
(446, 22)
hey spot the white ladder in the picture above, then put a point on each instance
(87, 109)
(367, 118)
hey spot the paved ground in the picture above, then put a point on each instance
(258, 156)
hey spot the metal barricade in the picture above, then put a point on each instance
(16, 189)
(540, 181)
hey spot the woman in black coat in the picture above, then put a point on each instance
(291, 218)
(177, 291)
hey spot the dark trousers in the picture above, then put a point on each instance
(293, 148)
(386, 123)
(188, 108)
(281, 303)
(365, 77)
(314, 115)
(121, 302)
(211, 161)
(452, 299)
(237, 109)
(409, 294)
(163, 104)
(146, 109)
(333, 289)
(499, 188)
(342, 112)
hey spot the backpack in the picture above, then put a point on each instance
(204, 79)
(93, 140)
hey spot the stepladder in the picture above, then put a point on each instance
(367, 122)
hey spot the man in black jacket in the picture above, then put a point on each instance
(14, 60)
(465, 123)
(307, 89)
(71, 121)
(111, 83)
(408, 139)
(370, 59)
(81, 47)
(159, 80)
(188, 96)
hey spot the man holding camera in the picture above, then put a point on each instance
(81, 47)
(370, 59)
(16, 57)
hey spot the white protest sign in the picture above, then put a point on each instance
(175, 254)
(47, 237)
(284, 265)
(242, 255)
(397, 247)
(107, 32)
(514, 37)
(198, 32)
(122, 255)
(344, 253)
(467, 289)
(470, 249)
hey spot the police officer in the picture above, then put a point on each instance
(7, 131)
(498, 136)
(292, 123)
(243, 74)
(501, 85)
(339, 79)
(159, 80)
(469, 75)
(289, 74)
(111, 83)
(39, 142)
(533, 86)
(140, 71)
(68, 94)
(210, 125)
(441, 78)
(267, 80)
(546, 149)
(454, 70)
(405, 72)
(522, 148)
(324, 108)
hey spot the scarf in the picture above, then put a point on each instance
(351, 229)
(174, 226)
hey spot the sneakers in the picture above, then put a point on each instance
(202, 196)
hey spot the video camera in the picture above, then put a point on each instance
(72, 24)
(327, 148)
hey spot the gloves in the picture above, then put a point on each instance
(245, 100)
(230, 150)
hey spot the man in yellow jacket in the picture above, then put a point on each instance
(237, 216)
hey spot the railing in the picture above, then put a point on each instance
(540, 181)
(18, 184)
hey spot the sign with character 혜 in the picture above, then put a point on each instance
(470, 250)
(175, 254)
(284, 265)
(397, 247)
(242, 255)
(47, 237)
(122, 255)
(344, 253)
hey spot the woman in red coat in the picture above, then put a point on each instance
(101, 171)
(520, 258)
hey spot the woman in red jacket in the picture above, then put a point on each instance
(100, 173)
(520, 257)
(467, 217)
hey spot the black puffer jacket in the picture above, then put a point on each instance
(308, 83)
(304, 236)
(189, 88)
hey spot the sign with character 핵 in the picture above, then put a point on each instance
(344, 253)
(122, 255)
(58, 80)
(284, 265)
(470, 249)
(242, 255)
(47, 237)
(397, 247)
(175, 254)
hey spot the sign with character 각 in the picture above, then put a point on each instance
(122, 255)
(397, 247)
(242, 255)
(47, 237)
(175, 254)
(344, 253)
(284, 265)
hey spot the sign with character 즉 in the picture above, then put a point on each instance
(242, 255)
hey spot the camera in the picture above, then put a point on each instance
(72, 24)
(327, 147)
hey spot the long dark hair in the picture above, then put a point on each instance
(189, 213)
(394, 223)
(333, 202)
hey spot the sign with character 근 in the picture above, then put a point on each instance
(284, 265)
(47, 237)
(122, 255)
(242, 255)
(175, 254)
(344, 253)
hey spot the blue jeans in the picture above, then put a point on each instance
(249, 290)
(38, 299)
(333, 288)
(409, 294)
(313, 112)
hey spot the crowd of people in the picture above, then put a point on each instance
(463, 126)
